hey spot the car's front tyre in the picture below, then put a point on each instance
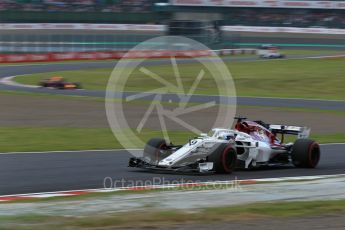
(224, 159)
(153, 150)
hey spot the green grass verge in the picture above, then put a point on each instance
(307, 78)
(294, 109)
(329, 138)
(25, 139)
(150, 219)
(50, 95)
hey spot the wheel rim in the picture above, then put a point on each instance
(163, 146)
(228, 159)
(314, 154)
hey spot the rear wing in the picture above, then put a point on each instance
(301, 132)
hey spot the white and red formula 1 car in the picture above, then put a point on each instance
(250, 144)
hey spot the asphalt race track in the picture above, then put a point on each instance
(57, 171)
(60, 171)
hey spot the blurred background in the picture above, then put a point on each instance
(217, 24)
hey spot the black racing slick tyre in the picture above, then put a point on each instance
(305, 153)
(153, 150)
(224, 159)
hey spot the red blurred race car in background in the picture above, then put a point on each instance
(58, 82)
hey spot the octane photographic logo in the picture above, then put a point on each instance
(188, 92)
(163, 183)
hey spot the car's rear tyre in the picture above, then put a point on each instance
(224, 159)
(153, 150)
(305, 153)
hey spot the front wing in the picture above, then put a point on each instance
(191, 168)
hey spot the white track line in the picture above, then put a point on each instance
(9, 81)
